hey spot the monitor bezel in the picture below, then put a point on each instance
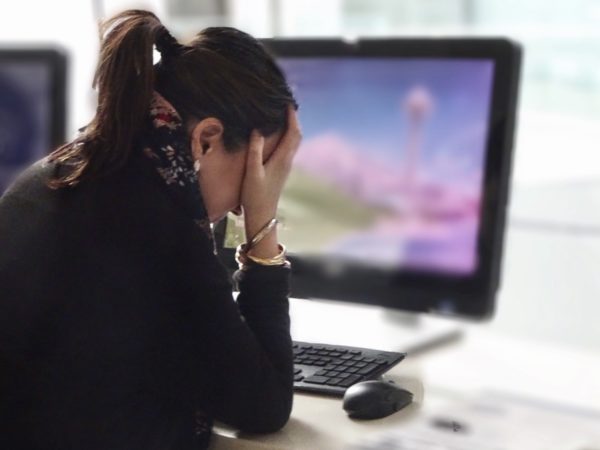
(468, 296)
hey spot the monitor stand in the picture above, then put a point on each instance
(358, 325)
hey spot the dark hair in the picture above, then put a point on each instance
(223, 73)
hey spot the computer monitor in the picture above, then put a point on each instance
(32, 107)
(399, 189)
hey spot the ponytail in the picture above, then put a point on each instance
(223, 73)
(124, 80)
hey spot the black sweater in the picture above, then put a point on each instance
(117, 321)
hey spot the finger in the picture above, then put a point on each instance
(294, 126)
(293, 121)
(289, 142)
(255, 150)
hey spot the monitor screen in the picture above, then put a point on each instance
(390, 169)
(30, 121)
(391, 166)
(398, 192)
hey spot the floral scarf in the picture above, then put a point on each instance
(167, 146)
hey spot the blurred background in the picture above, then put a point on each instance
(551, 270)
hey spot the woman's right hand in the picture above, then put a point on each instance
(264, 183)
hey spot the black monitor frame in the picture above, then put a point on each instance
(471, 296)
(56, 61)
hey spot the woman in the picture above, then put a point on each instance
(118, 329)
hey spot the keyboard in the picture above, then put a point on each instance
(331, 369)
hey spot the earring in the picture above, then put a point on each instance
(196, 166)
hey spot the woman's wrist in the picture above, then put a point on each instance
(268, 247)
(262, 247)
(255, 221)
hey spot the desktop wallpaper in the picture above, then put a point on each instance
(390, 169)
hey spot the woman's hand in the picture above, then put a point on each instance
(264, 183)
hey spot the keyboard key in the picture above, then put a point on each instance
(349, 381)
(352, 370)
(319, 363)
(380, 361)
(298, 377)
(297, 371)
(354, 352)
(368, 360)
(334, 381)
(360, 364)
(321, 372)
(316, 379)
(346, 357)
(368, 369)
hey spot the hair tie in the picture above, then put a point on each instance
(166, 44)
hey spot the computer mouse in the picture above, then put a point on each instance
(374, 399)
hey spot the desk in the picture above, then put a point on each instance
(479, 360)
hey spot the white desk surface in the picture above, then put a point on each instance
(480, 360)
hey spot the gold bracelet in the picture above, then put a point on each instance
(262, 233)
(245, 260)
(243, 256)
(274, 261)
